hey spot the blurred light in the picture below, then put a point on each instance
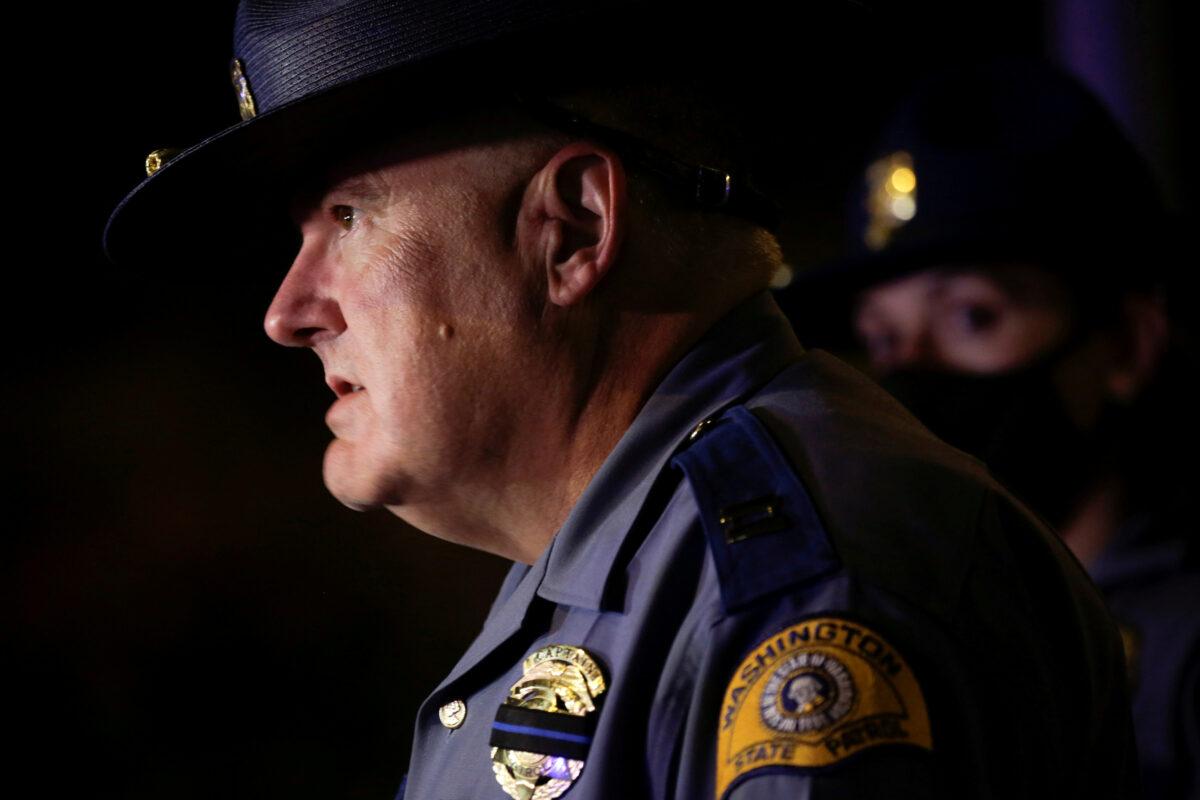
(904, 208)
(904, 180)
(891, 198)
(782, 277)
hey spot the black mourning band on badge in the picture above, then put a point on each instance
(546, 732)
(708, 188)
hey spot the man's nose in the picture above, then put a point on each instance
(304, 310)
(913, 348)
(918, 349)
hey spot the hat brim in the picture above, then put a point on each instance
(212, 196)
(200, 200)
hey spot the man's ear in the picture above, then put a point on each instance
(573, 219)
(1143, 336)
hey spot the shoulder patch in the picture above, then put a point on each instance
(814, 694)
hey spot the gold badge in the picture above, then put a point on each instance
(242, 86)
(814, 694)
(550, 711)
(891, 198)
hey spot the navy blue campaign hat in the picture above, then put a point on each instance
(1006, 161)
(313, 76)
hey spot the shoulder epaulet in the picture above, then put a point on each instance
(760, 521)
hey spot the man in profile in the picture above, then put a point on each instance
(540, 301)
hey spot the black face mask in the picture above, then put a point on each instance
(1016, 423)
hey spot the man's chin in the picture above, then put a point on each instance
(353, 500)
(354, 487)
(352, 503)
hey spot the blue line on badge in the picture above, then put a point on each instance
(565, 737)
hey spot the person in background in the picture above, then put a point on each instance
(1009, 284)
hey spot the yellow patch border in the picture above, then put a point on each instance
(865, 695)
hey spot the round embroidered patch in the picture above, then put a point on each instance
(807, 692)
(816, 693)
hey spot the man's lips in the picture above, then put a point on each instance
(340, 418)
(343, 386)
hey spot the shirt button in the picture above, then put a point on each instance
(453, 714)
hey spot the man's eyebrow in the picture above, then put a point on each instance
(366, 187)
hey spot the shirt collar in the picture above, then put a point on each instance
(738, 355)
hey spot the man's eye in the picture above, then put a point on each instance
(969, 319)
(973, 318)
(344, 216)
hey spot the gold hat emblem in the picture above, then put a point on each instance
(891, 198)
(158, 159)
(558, 679)
(242, 86)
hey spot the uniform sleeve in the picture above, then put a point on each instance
(803, 688)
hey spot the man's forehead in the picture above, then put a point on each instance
(1022, 280)
(365, 184)
(912, 286)
(364, 168)
(1017, 277)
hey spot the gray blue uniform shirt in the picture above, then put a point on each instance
(1151, 582)
(812, 564)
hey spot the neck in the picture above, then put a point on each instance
(1096, 520)
(615, 360)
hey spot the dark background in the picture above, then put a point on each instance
(187, 612)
